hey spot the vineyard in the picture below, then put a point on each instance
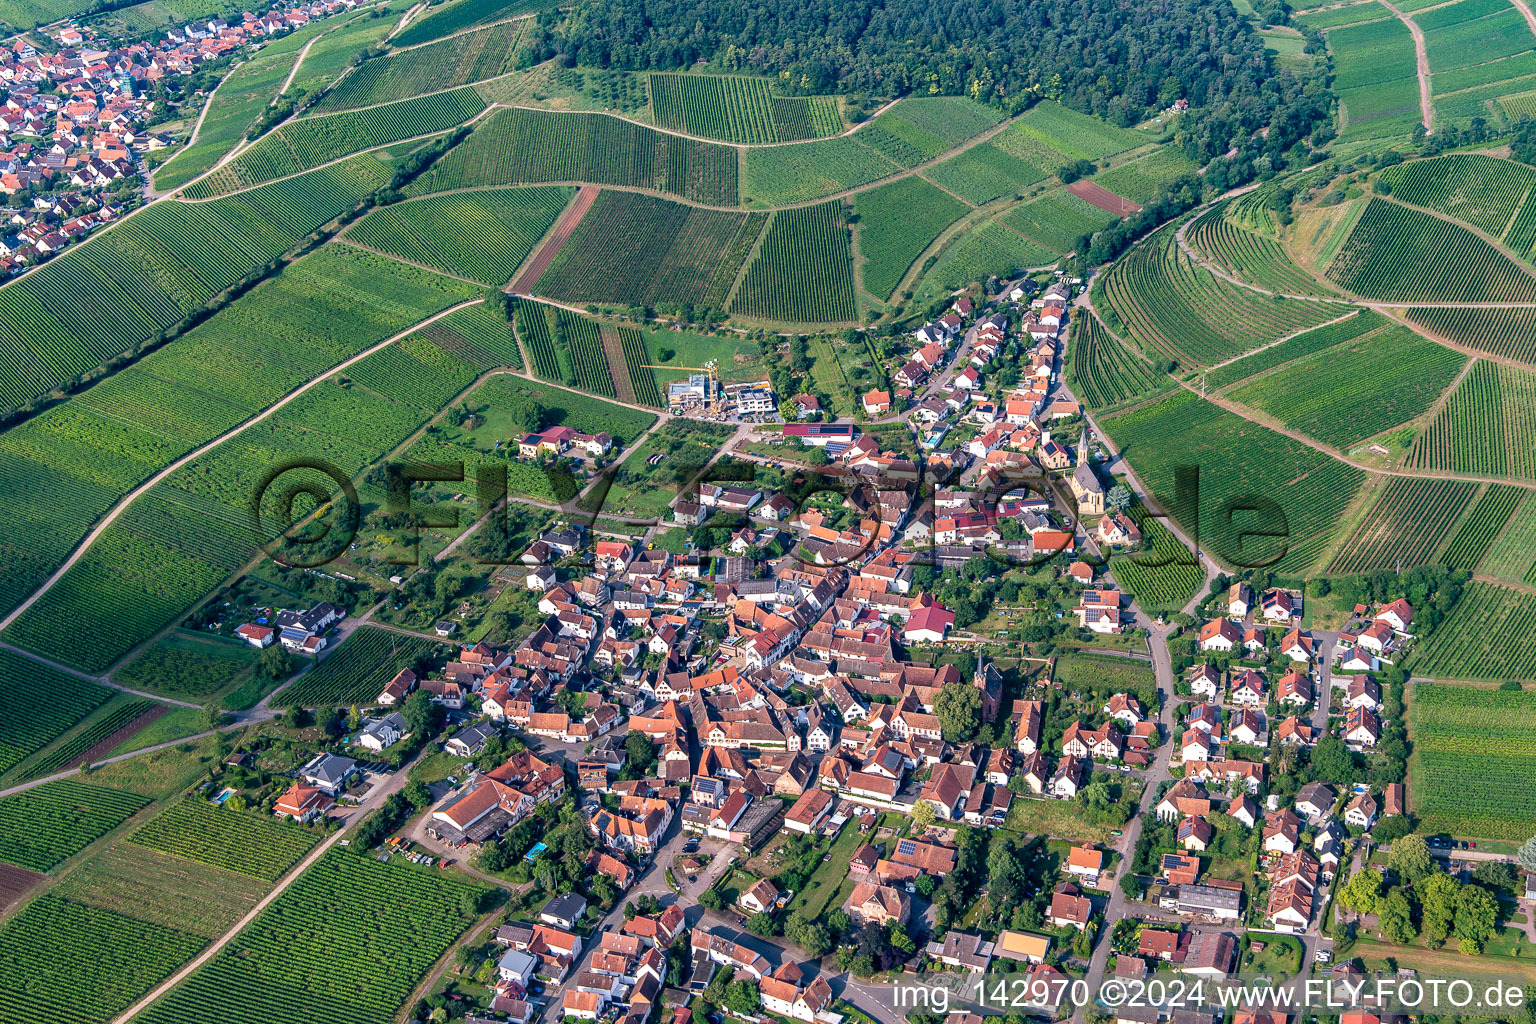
(1404, 527)
(1510, 333)
(436, 231)
(1252, 257)
(1172, 305)
(1490, 634)
(1102, 371)
(737, 109)
(896, 223)
(146, 885)
(1238, 462)
(147, 272)
(1395, 254)
(1472, 32)
(1493, 510)
(44, 826)
(115, 723)
(311, 141)
(533, 330)
(1319, 339)
(1512, 555)
(356, 671)
(513, 146)
(190, 532)
(480, 336)
(185, 666)
(584, 343)
(38, 704)
(407, 379)
(986, 250)
(1472, 751)
(1051, 135)
(1057, 220)
(1480, 190)
(633, 248)
(1376, 79)
(802, 272)
(1163, 574)
(1488, 426)
(1357, 389)
(456, 17)
(60, 961)
(1141, 179)
(345, 943)
(468, 58)
(197, 830)
(983, 173)
(780, 175)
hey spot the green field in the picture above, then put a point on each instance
(46, 825)
(1238, 462)
(1472, 32)
(1172, 305)
(1404, 527)
(1375, 78)
(984, 173)
(116, 721)
(462, 60)
(355, 672)
(160, 889)
(896, 223)
(1352, 14)
(186, 666)
(1102, 371)
(258, 847)
(38, 705)
(1359, 388)
(347, 942)
(732, 108)
(1488, 425)
(498, 397)
(984, 251)
(1396, 254)
(1057, 220)
(802, 272)
(450, 18)
(1471, 748)
(309, 142)
(515, 145)
(1319, 339)
(1489, 635)
(1051, 135)
(779, 175)
(643, 489)
(1140, 179)
(505, 225)
(1512, 554)
(633, 248)
(1510, 333)
(65, 961)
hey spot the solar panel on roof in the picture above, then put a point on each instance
(906, 847)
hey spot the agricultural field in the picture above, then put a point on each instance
(160, 889)
(478, 335)
(451, 18)
(146, 273)
(1507, 332)
(1101, 371)
(896, 223)
(802, 272)
(737, 357)
(64, 961)
(1140, 179)
(1237, 462)
(515, 146)
(1352, 14)
(1472, 32)
(311, 141)
(1471, 748)
(639, 249)
(376, 927)
(505, 225)
(1057, 220)
(800, 173)
(1354, 325)
(355, 672)
(115, 722)
(333, 53)
(1482, 526)
(44, 826)
(39, 704)
(1396, 254)
(1375, 78)
(733, 108)
(1488, 426)
(1163, 574)
(1356, 390)
(1512, 554)
(1489, 635)
(258, 847)
(1172, 305)
(1477, 189)
(1251, 256)
(637, 367)
(920, 128)
(1050, 135)
(1085, 668)
(1404, 527)
(984, 173)
(468, 58)
(498, 399)
(986, 250)
(190, 532)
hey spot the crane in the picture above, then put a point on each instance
(714, 390)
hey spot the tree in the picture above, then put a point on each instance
(417, 793)
(1527, 855)
(1437, 897)
(1496, 875)
(1395, 916)
(639, 753)
(1119, 497)
(922, 814)
(742, 997)
(1390, 830)
(1332, 761)
(274, 663)
(1362, 891)
(1410, 859)
(423, 716)
(958, 707)
(761, 924)
(1477, 912)
(711, 899)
